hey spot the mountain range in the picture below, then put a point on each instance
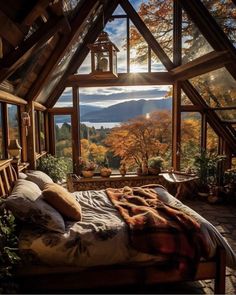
(126, 110)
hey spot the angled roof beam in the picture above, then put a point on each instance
(61, 48)
(82, 52)
(10, 31)
(210, 29)
(213, 119)
(206, 63)
(35, 12)
(147, 35)
(13, 60)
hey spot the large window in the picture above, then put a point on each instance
(63, 136)
(125, 123)
(190, 138)
(13, 122)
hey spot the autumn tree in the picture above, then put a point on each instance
(140, 138)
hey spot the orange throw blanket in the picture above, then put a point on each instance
(159, 229)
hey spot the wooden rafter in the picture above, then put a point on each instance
(147, 35)
(10, 31)
(82, 52)
(177, 33)
(12, 61)
(210, 29)
(201, 65)
(123, 79)
(61, 48)
(35, 12)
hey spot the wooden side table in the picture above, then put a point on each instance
(75, 183)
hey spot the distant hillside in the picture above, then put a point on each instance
(84, 109)
(126, 110)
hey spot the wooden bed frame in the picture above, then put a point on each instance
(72, 278)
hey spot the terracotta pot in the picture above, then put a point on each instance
(105, 172)
(154, 171)
(87, 173)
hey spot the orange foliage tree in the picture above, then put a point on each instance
(140, 138)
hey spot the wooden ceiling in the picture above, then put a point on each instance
(37, 36)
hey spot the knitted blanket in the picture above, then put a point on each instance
(159, 229)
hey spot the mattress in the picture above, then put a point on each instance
(101, 237)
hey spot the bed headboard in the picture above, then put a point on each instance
(7, 177)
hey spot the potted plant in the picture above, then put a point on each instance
(105, 171)
(209, 173)
(9, 257)
(86, 167)
(56, 167)
(155, 164)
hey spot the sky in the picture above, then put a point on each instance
(100, 96)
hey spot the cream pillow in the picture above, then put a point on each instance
(63, 201)
(27, 204)
(38, 177)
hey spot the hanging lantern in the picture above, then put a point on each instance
(103, 58)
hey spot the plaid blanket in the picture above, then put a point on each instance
(159, 229)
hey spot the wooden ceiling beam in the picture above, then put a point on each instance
(11, 98)
(123, 79)
(10, 31)
(35, 12)
(61, 48)
(82, 52)
(147, 35)
(201, 65)
(13, 61)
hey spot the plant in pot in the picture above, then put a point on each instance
(208, 171)
(86, 167)
(9, 257)
(105, 171)
(56, 167)
(155, 164)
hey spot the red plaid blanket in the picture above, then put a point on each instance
(157, 228)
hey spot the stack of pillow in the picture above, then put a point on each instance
(36, 199)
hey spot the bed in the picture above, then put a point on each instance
(104, 259)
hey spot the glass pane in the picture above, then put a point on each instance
(63, 136)
(227, 115)
(138, 52)
(119, 11)
(42, 131)
(64, 62)
(233, 163)
(158, 17)
(212, 140)
(113, 119)
(190, 138)
(193, 43)
(13, 122)
(85, 67)
(156, 65)
(184, 99)
(36, 131)
(2, 151)
(117, 30)
(224, 13)
(65, 100)
(218, 88)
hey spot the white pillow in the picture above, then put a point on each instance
(38, 177)
(27, 204)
